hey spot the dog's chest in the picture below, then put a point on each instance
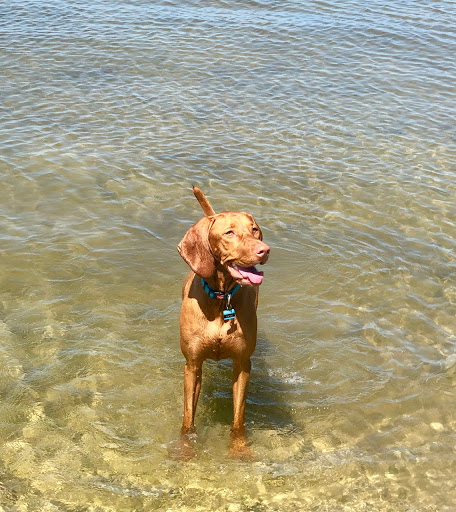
(225, 340)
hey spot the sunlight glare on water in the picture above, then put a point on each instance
(331, 122)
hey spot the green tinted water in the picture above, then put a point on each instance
(333, 123)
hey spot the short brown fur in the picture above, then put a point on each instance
(209, 247)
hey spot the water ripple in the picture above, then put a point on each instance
(333, 124)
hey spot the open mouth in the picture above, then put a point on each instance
(246, 275)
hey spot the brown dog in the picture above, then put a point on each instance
(219, 300)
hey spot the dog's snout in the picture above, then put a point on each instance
(263, 250)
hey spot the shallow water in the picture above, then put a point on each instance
(333, 123)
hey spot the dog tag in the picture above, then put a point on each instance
(228, 314)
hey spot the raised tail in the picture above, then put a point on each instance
(202, 200)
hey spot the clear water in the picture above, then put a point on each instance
(333, 123)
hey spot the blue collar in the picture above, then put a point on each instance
(228, 312)
(215, 294)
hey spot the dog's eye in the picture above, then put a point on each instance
(230, 233)
(255, 231)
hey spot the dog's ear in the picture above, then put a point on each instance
(195, 250)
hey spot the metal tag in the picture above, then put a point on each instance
(228, 314)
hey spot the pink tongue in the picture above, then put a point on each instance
(251, 274)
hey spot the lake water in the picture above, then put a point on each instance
(333, 122)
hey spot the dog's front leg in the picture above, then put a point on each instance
(192, 387)
(241, 376)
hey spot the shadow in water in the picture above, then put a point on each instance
(266, 408)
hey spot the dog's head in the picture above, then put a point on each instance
(230, 239)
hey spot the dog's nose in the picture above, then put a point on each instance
(263, 250)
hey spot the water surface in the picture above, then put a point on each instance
(333, 123)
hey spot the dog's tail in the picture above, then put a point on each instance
(202, 200)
